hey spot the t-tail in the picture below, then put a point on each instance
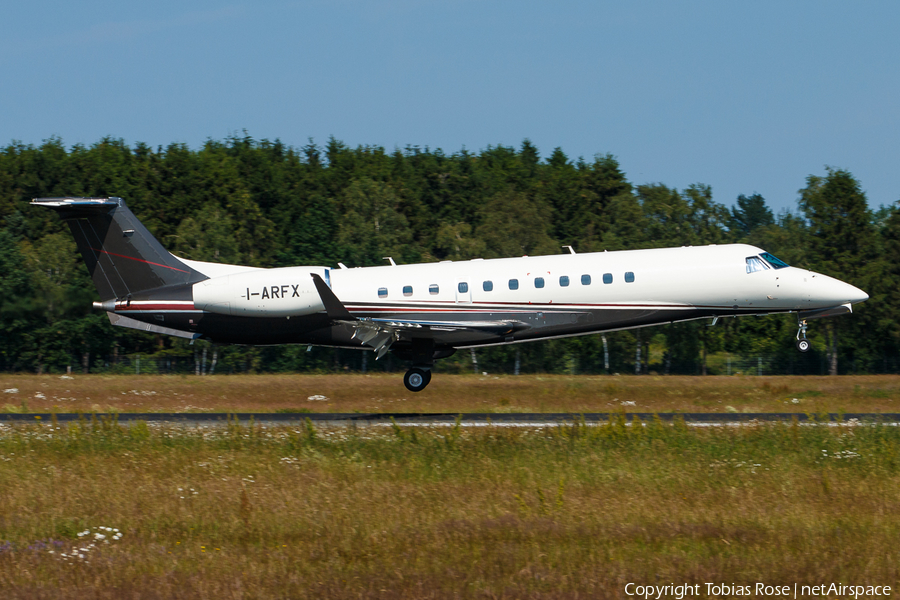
(122, 256)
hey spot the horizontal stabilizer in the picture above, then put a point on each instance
(74, 206)
(130, 323)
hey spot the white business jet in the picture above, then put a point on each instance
(424, 312)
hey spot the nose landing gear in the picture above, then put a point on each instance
(803, 344)
(417, 378)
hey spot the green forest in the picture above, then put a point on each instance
(263, 203)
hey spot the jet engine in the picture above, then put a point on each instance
(283, 292)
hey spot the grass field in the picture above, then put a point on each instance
(571, 512)
(448, 393)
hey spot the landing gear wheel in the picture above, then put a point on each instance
(416, 379)
(803, 344)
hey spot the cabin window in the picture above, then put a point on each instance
(538, 282)
(607, 278)
(487, 286)
(563, 280)
(755, 264)
(463, 287)
(585, 280)
(774, 260)
(433, 289)
(382, 292)
(407, 290)
(629, 277)
(513, 284)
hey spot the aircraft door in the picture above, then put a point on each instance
(463, 292)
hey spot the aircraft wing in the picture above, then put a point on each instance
(380, 334)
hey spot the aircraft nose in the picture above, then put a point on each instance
(835, 291)
(859, 295)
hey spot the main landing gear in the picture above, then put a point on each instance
(421, 353)
(417, 378)
(803, 344)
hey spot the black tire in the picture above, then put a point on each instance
(803, 345)
(416, 379)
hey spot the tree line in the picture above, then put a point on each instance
(266, 204)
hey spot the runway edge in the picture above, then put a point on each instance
(442, 418)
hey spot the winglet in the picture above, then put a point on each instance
(333, 307)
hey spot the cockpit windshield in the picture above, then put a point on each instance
(774, 260)
(755, 263)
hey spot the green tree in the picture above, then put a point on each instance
(16, 301)
(515, 224)
(456, 242)
(371, 226)
(208, 236)
(883, 288)
(842, 244)
(749, 215)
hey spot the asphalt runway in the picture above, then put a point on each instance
(444, 419)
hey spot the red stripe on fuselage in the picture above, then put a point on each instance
(157, 306)
(149, 262)
(520, 305)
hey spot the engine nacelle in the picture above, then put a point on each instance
(285, 292)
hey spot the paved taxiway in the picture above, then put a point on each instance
(465, 419)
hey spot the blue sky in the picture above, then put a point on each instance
(746, 97)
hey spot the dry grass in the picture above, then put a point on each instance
(449, 393)
(412, 513)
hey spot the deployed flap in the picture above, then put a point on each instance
(495, 327)
(380, 334)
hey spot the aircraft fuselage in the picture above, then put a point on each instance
(425, 312)
(550, 296)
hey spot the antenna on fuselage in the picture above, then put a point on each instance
(571, 249)
(390, 260)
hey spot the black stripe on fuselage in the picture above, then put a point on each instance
(542, 321)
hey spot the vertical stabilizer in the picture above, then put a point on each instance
(121, 254)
